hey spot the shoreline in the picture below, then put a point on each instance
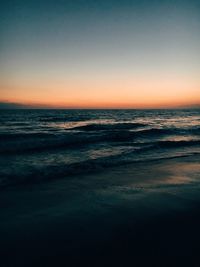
(96, 172)
(131, 214)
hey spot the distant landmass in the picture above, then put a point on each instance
(11, 105)
(4, 105)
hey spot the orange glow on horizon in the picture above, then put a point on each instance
(118, 93)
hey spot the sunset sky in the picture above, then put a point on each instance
(100, 53)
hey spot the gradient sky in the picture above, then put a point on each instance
(100, 53)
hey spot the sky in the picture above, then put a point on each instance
(100, 53)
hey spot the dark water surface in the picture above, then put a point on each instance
(39, 145)
(99, 188)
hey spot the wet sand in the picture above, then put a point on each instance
(144, 214)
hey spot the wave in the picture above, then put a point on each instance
(66, 118)
(33, 175)
(114, 126)
(16, 136)
(157, 132)
(14, 123)
(176, 144)
(54, 119)
(41, 142)
(36, 145)
(37, 175)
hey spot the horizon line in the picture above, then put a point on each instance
(14, 105)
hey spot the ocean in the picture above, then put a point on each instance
(99, 188)
(41, 145)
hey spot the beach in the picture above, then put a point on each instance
(133, 215)
(99, 133)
